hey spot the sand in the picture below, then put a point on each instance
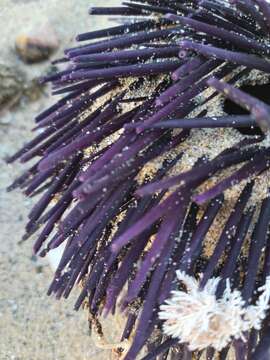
(34, 326)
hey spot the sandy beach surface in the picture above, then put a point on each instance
(33, 326)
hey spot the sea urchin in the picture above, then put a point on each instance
(159, 194)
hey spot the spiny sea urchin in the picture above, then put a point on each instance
(143, 173)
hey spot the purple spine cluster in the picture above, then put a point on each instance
(137, 83)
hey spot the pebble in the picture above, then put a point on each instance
(11, 85)
(37, 45)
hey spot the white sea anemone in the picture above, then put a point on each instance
(201, 320)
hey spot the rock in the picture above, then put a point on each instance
(38, 45)
(15, 86)
(11, 85)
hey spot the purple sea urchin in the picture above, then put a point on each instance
(135, 199)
